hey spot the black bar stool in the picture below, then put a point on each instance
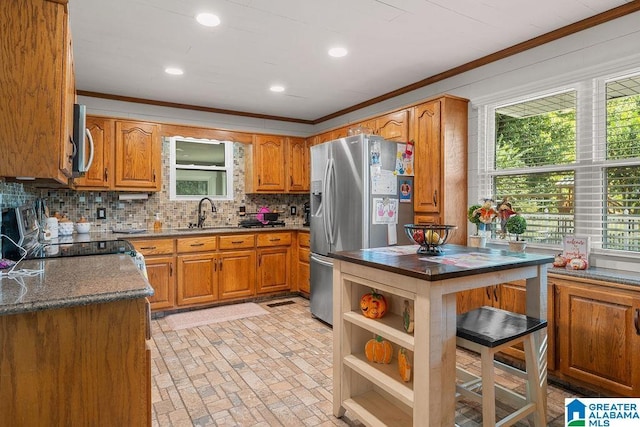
(487, 330)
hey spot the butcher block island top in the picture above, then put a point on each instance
(375, 393)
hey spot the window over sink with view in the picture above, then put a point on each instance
(200, 168)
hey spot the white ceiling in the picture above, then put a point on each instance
(121, 47)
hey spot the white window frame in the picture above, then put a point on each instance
(590, 153)
(227, 168)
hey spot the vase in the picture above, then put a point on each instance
(517, 246)
(477, 241)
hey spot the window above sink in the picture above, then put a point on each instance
(200, 168)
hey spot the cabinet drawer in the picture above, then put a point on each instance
(303, 240)
(303, 254)
(274, 239)
(197, 244)
(153, 246)
(237, 241)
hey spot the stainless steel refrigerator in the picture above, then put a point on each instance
(352, 180)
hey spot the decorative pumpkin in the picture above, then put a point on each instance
(560, 261)
(373, 305)
(404, 365)
(578, 264)
(407, 317)
(378, 350)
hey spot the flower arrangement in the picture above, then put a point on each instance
(474, 217)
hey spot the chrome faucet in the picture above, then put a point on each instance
(203, 215)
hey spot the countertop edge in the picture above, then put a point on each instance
(20, 308)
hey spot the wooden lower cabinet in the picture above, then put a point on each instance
(303, 274)
(197, 278)
(599, 336)
(76, 366)
(160, 272)
(237, 275)
(274, 262)
(273, 269)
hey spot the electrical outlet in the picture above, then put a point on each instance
(101, 213)
(294, 210)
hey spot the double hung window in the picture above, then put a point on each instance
(200, 168)
(569, 161)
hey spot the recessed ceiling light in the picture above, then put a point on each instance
(208, 19)
(174, 71)
(276, 88)
(337, 52)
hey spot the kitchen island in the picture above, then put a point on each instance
(73, 337)
(375, 393)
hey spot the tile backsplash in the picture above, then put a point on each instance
(141, 213)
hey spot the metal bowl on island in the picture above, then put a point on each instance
(430, 237)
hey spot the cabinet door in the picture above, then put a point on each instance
(161, 278)
(100, 174)
(269, 168)
(197, 278)
(35, 86)
(137, 158)
(273, 269)
(68, 102)
(394, 126)
(303, 270)
(298, 165)
(474, 298)
(237, 274)
(427, 152)
(323, 137)
(598, 336)
(340, 133)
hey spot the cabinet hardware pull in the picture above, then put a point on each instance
(235, 242)
(260, 261)
(487, 289)
(154, 175)
(148, 247)
(197, 244)
(215, 266)
(221, 265)
(291, 181)
(435, 198)
(274, 240)
(636, 321)
(495, 293)
(170, 269)
(106, 174)
(259, 180)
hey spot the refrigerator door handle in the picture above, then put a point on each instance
(329, 212)
(325, 202)
(321, 261)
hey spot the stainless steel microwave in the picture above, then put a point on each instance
(82, 141)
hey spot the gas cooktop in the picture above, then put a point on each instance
(254, 223)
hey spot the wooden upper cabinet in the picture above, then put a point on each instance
(393, 126)
(137, 156)
(340, 133)
(323, 137)
(37, 91)
(427, 162)
(269, 167)
(100, 174)
(297, 165)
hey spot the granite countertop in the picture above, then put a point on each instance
(72, 281)
(186, 232)
(457, 261)
(599, 273)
